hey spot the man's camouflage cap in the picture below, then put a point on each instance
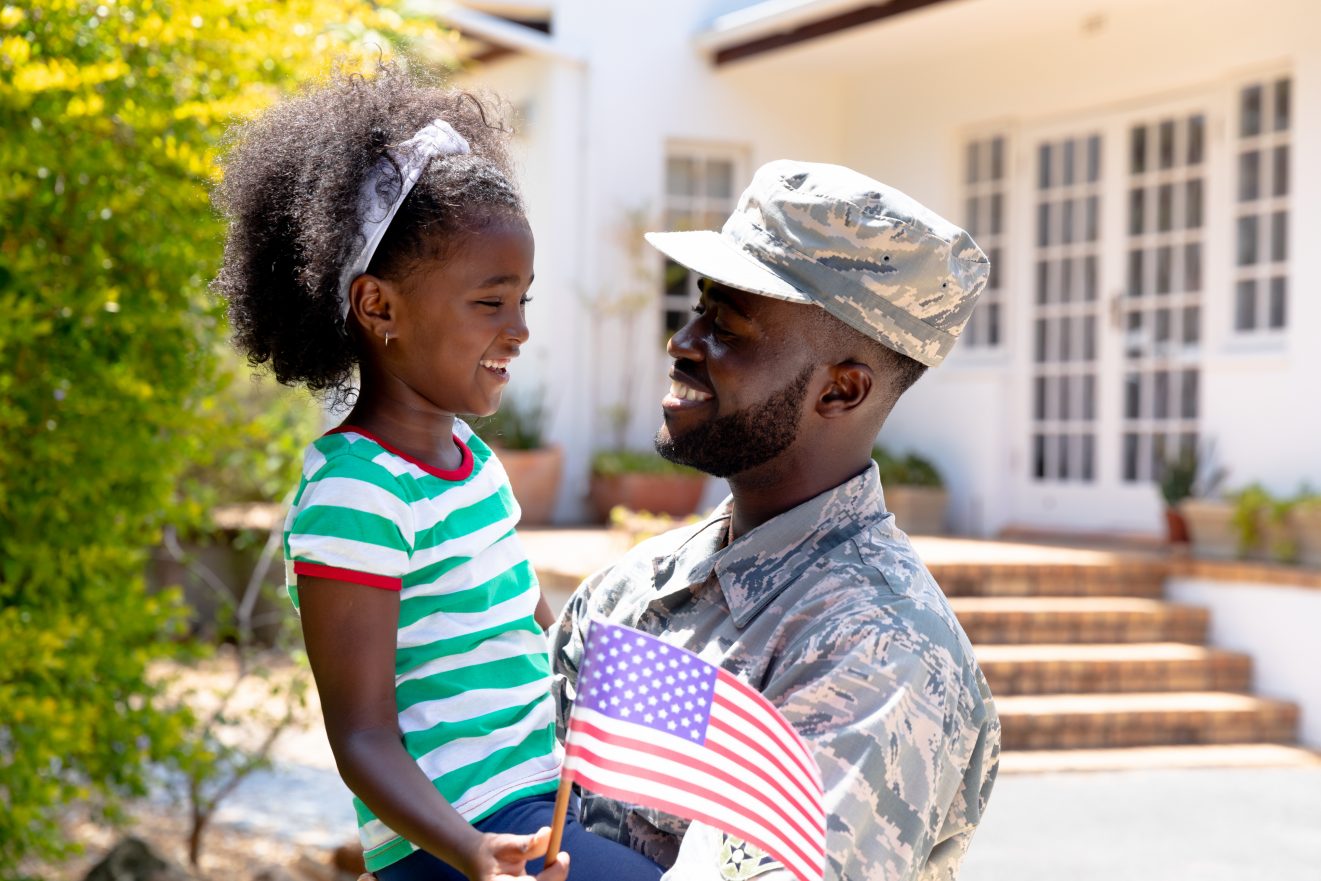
(866, 253)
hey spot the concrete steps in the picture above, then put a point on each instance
(1117, 580)
(1050, 619)
(1081, 721)
(1091, 668)
(1054, 668)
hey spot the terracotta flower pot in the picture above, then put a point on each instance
(918, 510)
(1211, 527)
(1305, 525)
(534, 476)
(1176, 526)
(675, 494)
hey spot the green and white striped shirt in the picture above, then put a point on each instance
(472, 675)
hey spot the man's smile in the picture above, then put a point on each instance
(684, 393)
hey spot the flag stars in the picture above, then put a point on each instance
(671, 726)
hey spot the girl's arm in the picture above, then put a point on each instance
(350, 632)
(545, 617)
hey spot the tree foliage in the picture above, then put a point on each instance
(112, 113)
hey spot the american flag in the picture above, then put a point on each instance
(656, 725)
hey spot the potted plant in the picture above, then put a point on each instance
(914, 492)
(1176, 484)
(515, 432)
(643, 482)
(1265, 525)
(1304, 519)
(1188, 485)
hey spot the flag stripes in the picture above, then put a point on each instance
(695, 770)
(679, 779)
(623, 781)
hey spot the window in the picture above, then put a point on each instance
(1065, 292)
(1261, 225)
(1161, 307)
(986, 211)
(699, 194)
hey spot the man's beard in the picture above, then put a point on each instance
(733, 443)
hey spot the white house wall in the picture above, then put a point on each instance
(897, 99)
(594, 151)
(920, 84)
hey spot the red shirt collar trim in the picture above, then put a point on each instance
(463, 472)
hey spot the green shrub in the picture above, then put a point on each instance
(519, 424)
(111, 116)
(910, 470)
(1254, 509)
(611, 463)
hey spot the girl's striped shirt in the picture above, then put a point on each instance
(472, 674)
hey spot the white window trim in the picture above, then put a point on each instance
(736, 155)
(1261, 340)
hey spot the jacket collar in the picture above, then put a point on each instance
(761, 564)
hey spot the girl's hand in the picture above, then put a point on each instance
(502, 857)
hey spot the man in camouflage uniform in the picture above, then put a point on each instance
(823, 298)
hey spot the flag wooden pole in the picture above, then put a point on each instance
(561, 811)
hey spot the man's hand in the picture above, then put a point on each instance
(503, 857)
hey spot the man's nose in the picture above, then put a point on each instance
(683, 345)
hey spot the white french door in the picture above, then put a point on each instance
(1113, 212)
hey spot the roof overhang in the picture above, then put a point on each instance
(774, 24)
(485, 36)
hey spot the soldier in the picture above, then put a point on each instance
(825, 296)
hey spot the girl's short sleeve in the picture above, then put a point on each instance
(352, 523)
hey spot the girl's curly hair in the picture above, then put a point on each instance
(290, 196)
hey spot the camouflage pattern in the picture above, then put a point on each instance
(866, 253)
(827, 610)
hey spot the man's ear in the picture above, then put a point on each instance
(371, 300)
(850, 385)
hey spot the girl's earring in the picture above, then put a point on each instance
(387, 339)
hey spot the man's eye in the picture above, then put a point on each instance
(494, 304)
(525, 300)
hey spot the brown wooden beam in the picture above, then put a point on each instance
(820, 28)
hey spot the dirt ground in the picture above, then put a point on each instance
(232, 851)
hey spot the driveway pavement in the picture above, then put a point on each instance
(1186, 825)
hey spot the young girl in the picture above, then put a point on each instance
(374, 229)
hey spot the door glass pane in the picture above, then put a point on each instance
(1247, 240)
(1137, 150)
(1196, 139)
(1193, 204)
(1280, 171)
(1249, 175)
(1279, 236)
(1250, 111)
(1282, 105)
(1136, 210)
(1279, 295)
(1245, 305)
(1192, 266)
(1167, 144)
